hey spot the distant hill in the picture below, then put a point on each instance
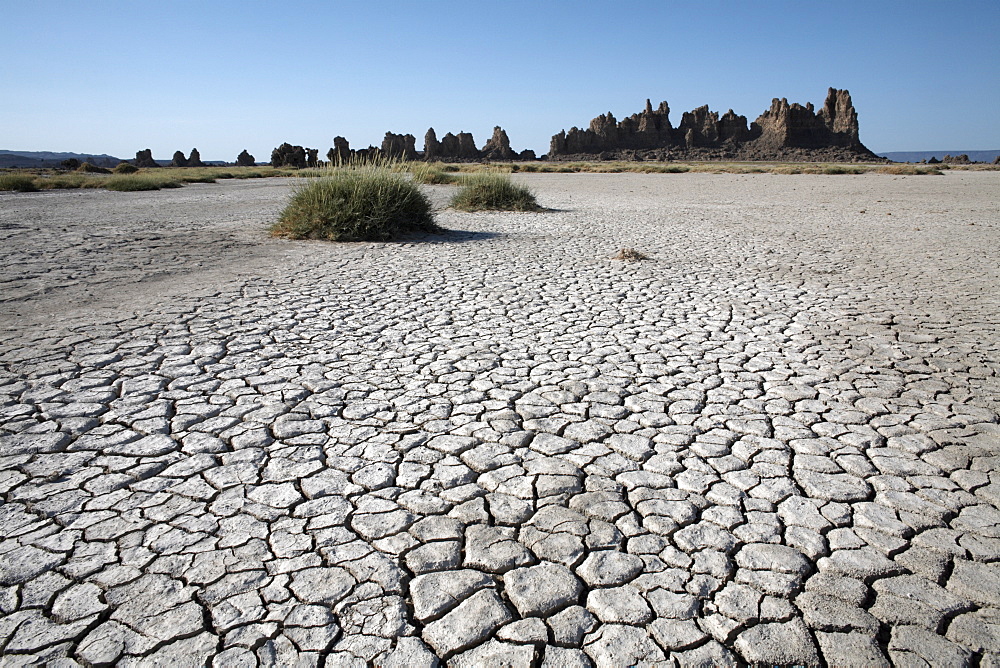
(52, 159)
(917, 156)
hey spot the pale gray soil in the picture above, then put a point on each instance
(774, 441)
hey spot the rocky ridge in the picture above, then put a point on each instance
(784, 132)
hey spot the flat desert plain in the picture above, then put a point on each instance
(775, 440)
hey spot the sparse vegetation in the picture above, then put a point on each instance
(492, 190)
(909, 170)
(429, 173)
(629, 255)
(19, 182)
(842, 169)
(361, 202)
(92, 169)
(86, 176)
(135, 182)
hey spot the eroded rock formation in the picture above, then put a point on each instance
(783, 132)
(432, 147)
(458, 147)
(498, 146)
(144, 158)
(341, 151)
(193, 161)
(244, 159)
(451, 148)
(287, 155)
(399, 147)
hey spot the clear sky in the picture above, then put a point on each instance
(107, 76)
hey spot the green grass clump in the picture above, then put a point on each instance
(135, 182)
(909, 170)
(196, 176)
(493, 191)
(125, 168)
(20, 182)
(429, 173)
(359, 202)
(88, 168)
(71, 181)
(842, 169)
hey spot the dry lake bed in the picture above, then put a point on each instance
(773, 441)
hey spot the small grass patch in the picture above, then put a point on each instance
(909, 170)
(356, 203)
(429, 173)
(197, 178)
(70, 181)
(493, 191)
(125, 168)
(18, 182)
(629, 255)
(842, 169)
(136, 182)
(88, 168)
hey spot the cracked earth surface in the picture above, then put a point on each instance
(775, 441)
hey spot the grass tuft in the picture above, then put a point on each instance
(125, 168)
(909, 170)
(842, 169)
(360, 202)
(88, 168)
(629, 255)
(136, 182)
(493, 191)
(429, 173)
(19, 182)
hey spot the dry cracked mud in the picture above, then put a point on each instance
(773, 441)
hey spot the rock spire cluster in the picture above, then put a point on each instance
(783, 132)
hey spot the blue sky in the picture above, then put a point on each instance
(114, 77)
